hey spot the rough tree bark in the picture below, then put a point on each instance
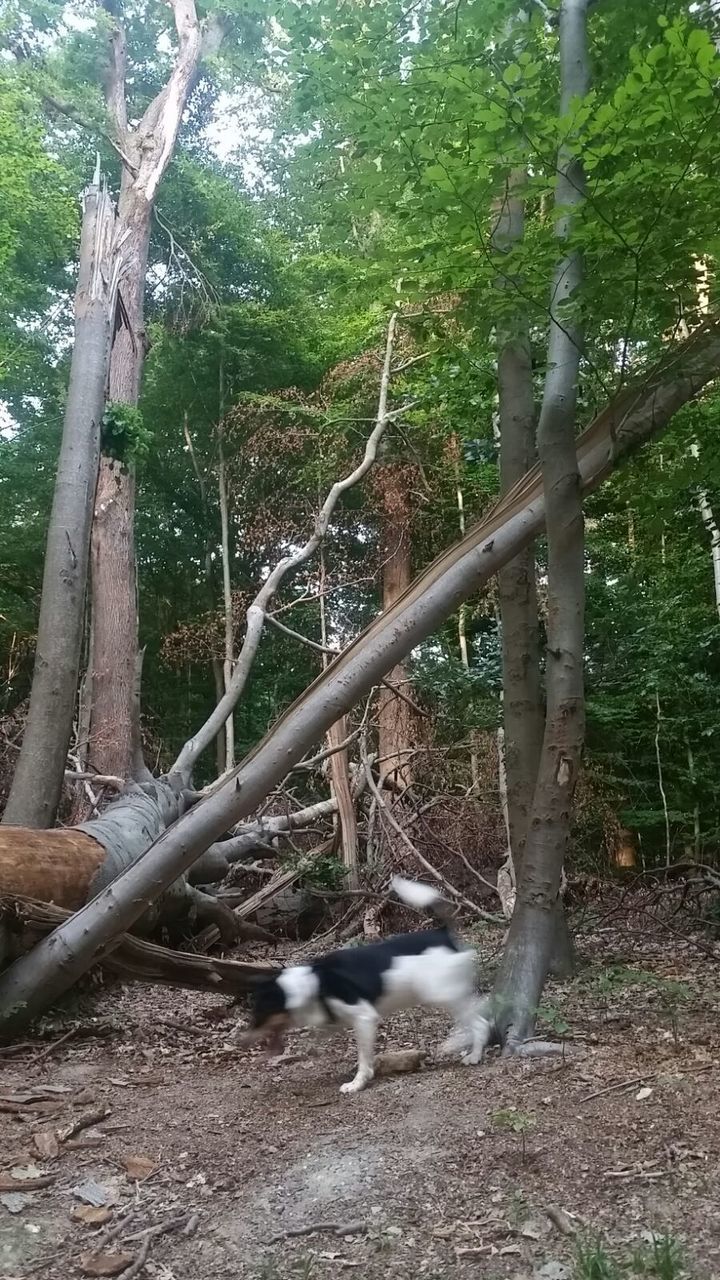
(346, 830)
(397, 728)
(462, 611)
(147, 149)
(229, 650)
(536, 919)
(37, 783)
(35, 981)
(517, 591)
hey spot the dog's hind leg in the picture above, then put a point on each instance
(365, 1024)
(481, 1030)
(458, 1041)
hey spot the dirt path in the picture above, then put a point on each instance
(421, 1176)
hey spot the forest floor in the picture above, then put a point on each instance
(205, 1162)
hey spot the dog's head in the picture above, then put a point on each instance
(270, 1017)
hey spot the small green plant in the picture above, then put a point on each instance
(662, 1260)
(326, 872)
(267, 1270)
(617, 978)
(514, 1121)
(518, 1210)
(593, 1262)
(553, 1019)
(124, 434)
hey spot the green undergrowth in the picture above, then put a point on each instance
(661, 1258)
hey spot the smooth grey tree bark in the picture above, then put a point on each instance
(37, 979)
(517, 588)
(538, 927)
(37, 783)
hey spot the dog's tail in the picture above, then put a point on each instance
(424, 897)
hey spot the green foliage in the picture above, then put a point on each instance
(593, 1262)
(551, 1017)
(396, 127)
(619, 977)
(662, 1259)
(38, 226)
(512, 1120)
(325, 872)
(124, 434)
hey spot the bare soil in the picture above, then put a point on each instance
(229, 1163)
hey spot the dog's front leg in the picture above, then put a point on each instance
(365, 1024)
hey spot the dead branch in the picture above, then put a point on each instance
(324, 1228)
(100, 779)
(274, 886)
(389, 817)
(257, 611)
(84, 1121)
(134, 959)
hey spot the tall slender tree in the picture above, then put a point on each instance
(534, 925)
(62, 607)
(146, 148)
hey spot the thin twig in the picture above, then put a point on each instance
(327, 1228)
(653, 1075)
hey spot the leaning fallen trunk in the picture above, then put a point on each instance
(38, 978)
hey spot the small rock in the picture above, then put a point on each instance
(91, 1193)
(25, 1172)
(552, 1270)
(15, 1201)
(105, 1264)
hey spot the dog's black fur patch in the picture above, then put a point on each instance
(352, 974)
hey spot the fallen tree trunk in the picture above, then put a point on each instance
(33, 982)
(70, 867)
(26, 922)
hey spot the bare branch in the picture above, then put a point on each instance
(314, 761)
(115, 77)
(257, 611)
(297, 635)
(99, 779)
(158, 129)
(64, 108)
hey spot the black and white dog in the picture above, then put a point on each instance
(357, 986)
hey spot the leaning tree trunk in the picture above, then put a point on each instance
(536, 920)
(113, 579)
(37, 784)
(35, 981)
(517, 590)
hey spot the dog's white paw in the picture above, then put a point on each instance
(454, 1044)
(471, 1059)
(355, 1086)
